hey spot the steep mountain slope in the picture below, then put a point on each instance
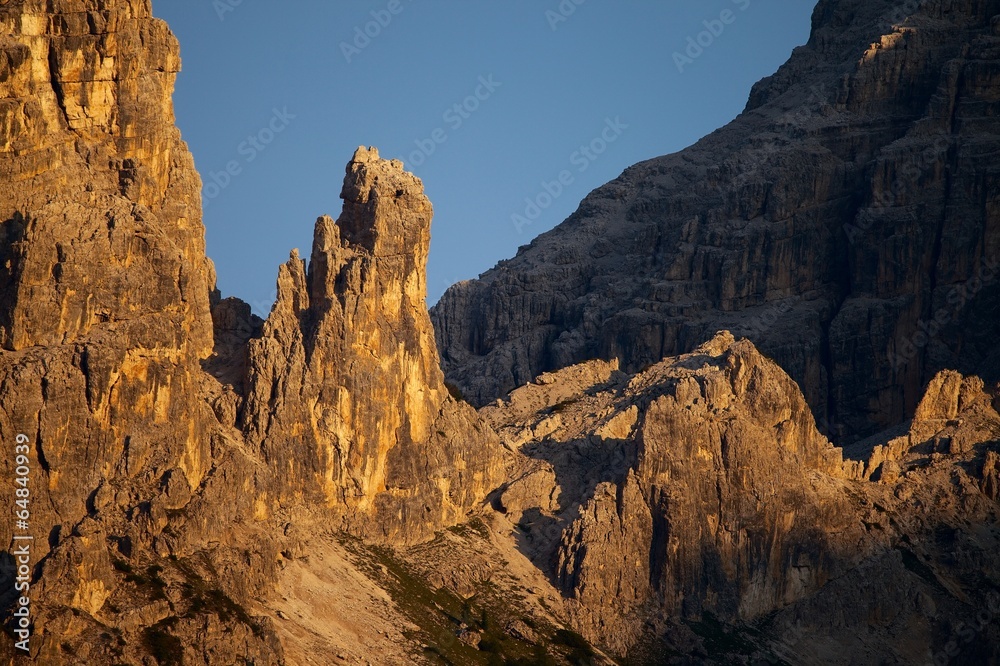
(170, 460)
(105, 321)
(205, 487)
(846, 222)
(695, 509)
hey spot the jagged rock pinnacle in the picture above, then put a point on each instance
(349, 350)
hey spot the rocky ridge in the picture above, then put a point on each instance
(699, 494)
(208, 487)
(344, 385)
(172, 478)
(844, 222)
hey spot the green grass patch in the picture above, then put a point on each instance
(475, 526)
(441, 614)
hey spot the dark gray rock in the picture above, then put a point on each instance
(851, 205)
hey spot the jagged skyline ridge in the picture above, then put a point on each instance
(556, 92)
(203, 478)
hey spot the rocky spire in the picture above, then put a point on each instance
(346, 398)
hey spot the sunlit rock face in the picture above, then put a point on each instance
(345, 386)
(100, 199)
(104, 323)
(846, 222)
(154, 515)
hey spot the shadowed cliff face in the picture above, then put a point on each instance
(698, 496)
(845, 223)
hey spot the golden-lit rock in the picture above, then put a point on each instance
(346, 398)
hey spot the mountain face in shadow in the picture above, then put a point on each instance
(845, 222)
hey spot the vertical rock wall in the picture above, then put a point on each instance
(345, 386)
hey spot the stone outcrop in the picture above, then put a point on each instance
(699, 494)
(845, 222)
(170, 478)
(346, 397)
(699, 485)
(104, 324)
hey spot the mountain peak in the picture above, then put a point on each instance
(207, 487)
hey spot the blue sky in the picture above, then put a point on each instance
(489, 103)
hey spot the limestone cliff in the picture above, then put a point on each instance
(104, 323)
(175, 466)
(845, 222)
(700, 498)
(345, 392)
(210, 488)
